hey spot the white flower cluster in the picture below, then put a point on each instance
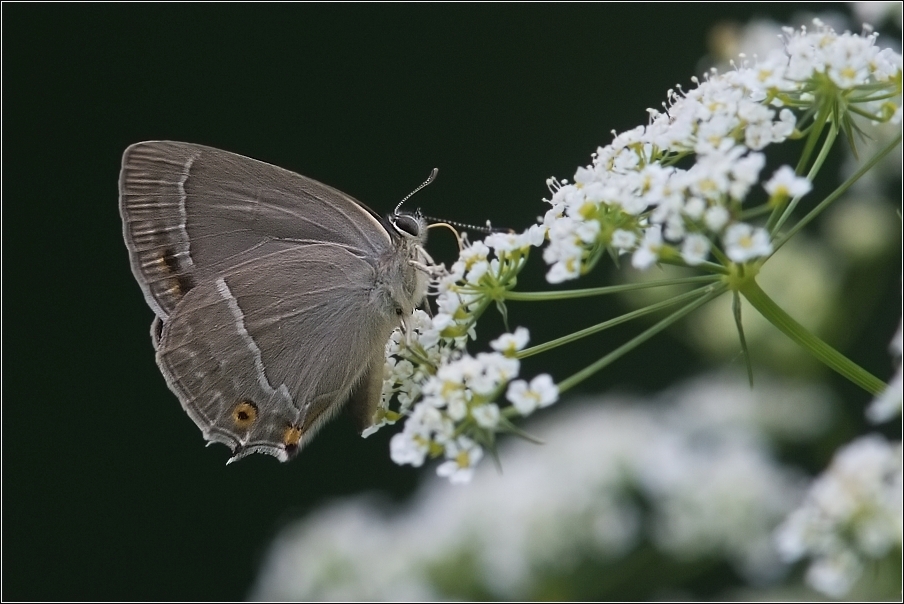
(852, 513)
(692, 472)
(635, 199)
(448, 396)
(888, 404)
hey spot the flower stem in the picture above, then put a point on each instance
(601, 291)
(711, 267)
(811, 175)
(819, 122)
(714, 291)
(583, 333)
(797, 332)
(754, 212)
(836, 193)
(781, 212)
(739, 324)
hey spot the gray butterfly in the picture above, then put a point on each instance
(274, 294)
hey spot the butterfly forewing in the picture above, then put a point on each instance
(190, 212)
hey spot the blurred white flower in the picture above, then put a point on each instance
(462, 455)
(875, 13)
(648, 252)
(786, 183)
(541, 392)
(716, 218)
(852, 513)
(695, 249)
(698, 457)
(623, 240)
(509, 343)
(888, 404)
(486, 416)
(408, 448)
(744, 242)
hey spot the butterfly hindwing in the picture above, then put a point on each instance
(261, 369)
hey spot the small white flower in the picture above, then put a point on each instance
(626, 160)
(694, 208)
(486, 416)
(477, 270)
(623, 240)
(535, 235)
(402, 370)
(408, 448)
(457, 409)
(456, 273)
(889, 402)
(475, 260)
(446, 388)
(448, 303)
(583, 176)
(430, 422)
(886, 65)
(510, 343)
(786, 183)
(834, 575)
(758, 136)
(503, 242)
(743, 242)
(784, 128)
(541, 392)
(563, 271)
(463, 454)
(709, 178)
(587, 231)
(564, 250)
(848, 59)
(371, 430)
(474, 252)
(648, 253)
(715, 218)
(695, 249)
(745, 174)
(674, 228)
(496, 370)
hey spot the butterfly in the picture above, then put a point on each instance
(274, 295)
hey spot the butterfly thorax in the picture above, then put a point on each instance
(401, 279)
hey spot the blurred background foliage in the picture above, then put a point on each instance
(108, 492)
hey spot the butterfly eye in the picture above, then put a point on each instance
(405, 223)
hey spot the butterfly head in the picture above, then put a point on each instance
(411, 226)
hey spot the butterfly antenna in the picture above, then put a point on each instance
(430, 179)
(463, 225)
(471, 227)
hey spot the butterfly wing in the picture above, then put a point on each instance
(189, 211)
(261, 366)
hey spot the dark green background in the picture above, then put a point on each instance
(108, 491)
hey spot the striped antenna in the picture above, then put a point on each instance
(471, 227)
(463, 225)
(430, 179)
